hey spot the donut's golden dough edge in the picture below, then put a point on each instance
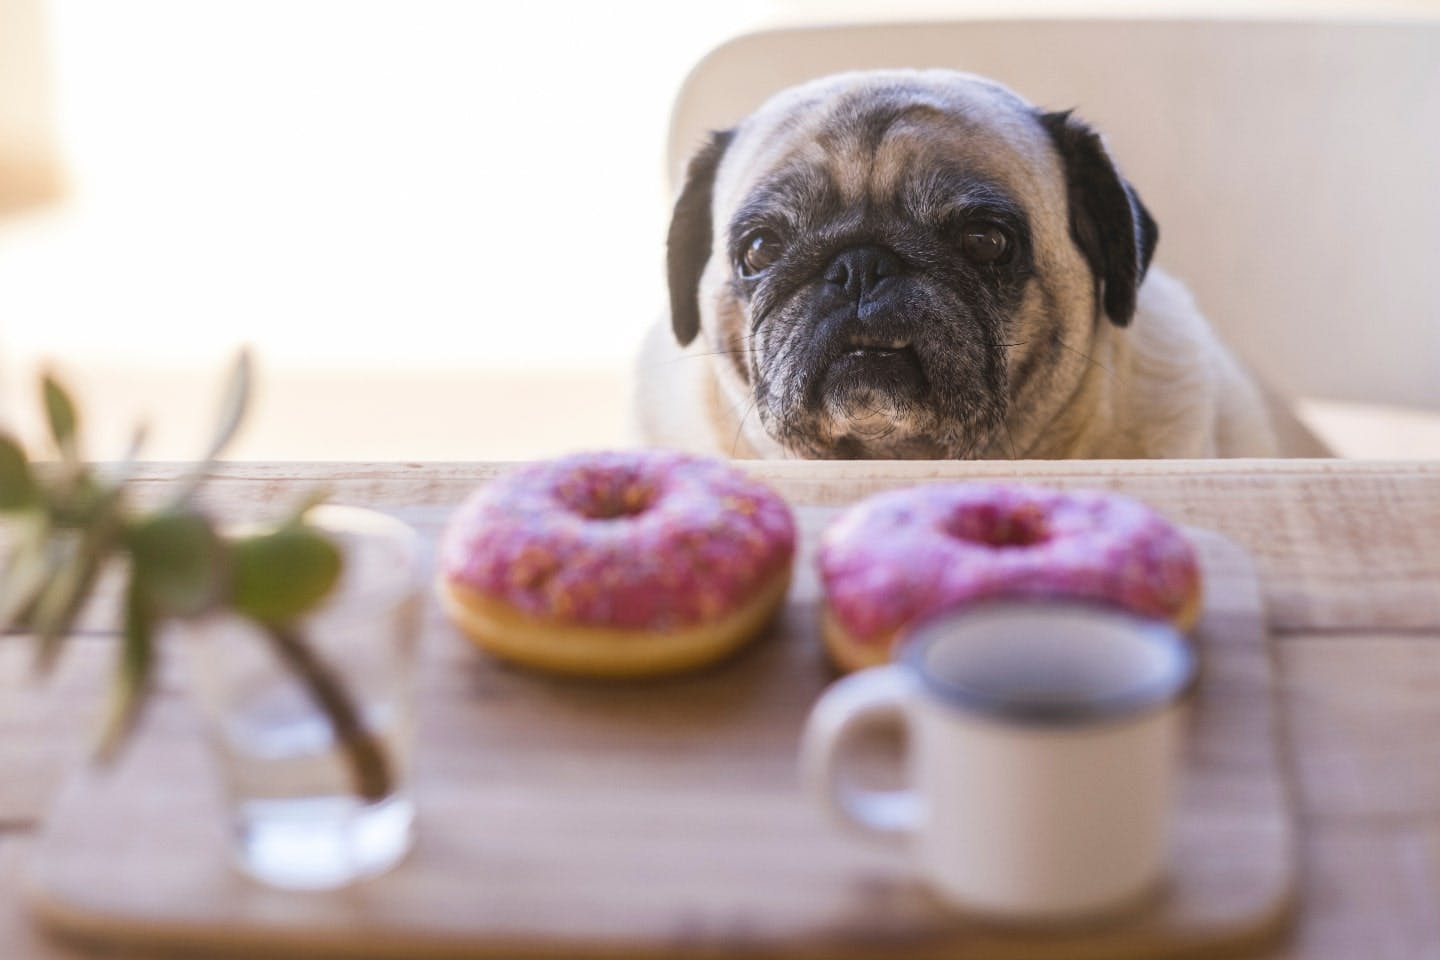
(606, 651)
(850, 654)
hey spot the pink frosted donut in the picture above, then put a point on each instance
(617, 563)
(901, 556)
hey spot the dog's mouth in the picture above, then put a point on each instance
(888, 367)
(902, 379)
(880, 393)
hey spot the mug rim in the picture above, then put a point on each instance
(1174, 684)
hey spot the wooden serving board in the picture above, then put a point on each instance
(562, 818)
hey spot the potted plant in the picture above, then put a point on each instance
(274, 591)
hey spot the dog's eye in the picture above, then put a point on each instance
(761, 250)
(984, 243)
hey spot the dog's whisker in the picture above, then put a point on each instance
(1010, 439)
(740, 425)
(670, 361)
(744, 352)
(1085, 356)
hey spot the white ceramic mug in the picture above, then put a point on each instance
(1043, 743)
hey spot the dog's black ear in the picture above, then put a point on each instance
(688, 246)
(1107, 220)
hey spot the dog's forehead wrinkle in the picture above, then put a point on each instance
(890, 105)
(800, 196)
(951, 189)
(796, 183)
(864, 119)
(811, 200)
(880, 158)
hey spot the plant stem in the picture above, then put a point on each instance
(366, 755)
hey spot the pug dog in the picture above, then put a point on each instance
(921, 264)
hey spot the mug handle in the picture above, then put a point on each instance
(863, 699)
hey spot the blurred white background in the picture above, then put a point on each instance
(417, 213)
(440, 224)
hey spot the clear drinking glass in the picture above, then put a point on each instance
(304, 816)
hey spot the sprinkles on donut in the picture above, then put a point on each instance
(900, 556)
(617, 563)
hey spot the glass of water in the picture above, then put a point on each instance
(310, 809)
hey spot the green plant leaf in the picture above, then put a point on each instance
(177, 562)
(278, 577)
(134, 669)
(64, 421)
(138, 436)
(17, 482)
(81, 557)
(28, 567)
(234, 402)
(58, 602)
(120, 472)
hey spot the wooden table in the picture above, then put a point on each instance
(1349, 554)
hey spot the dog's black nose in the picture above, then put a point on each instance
(859, 271)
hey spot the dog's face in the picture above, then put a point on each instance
(904, 264)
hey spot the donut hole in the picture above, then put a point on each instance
(617, 508)
(609, 496)
(989, 527)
